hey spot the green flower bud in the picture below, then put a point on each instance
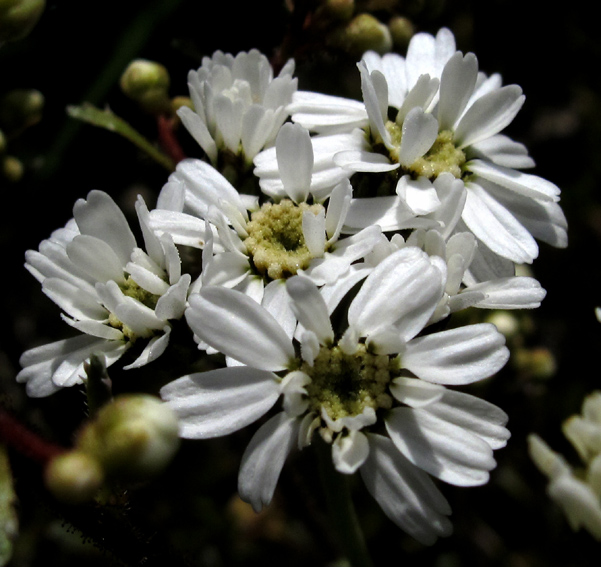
(134, 436)
(339, 9)
(401, 30)
(12, 168)
(18, 17)
(362, 33)
(74, 477)
(20, 109)
(147, 82)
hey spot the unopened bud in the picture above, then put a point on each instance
(18, 17)
(147, 82)
(12, 168)
(134, 436)
(20, 108)
(339, 9)
(74, 477)
(364, 32)
(401, 30)
(506, 323)
(535, 362)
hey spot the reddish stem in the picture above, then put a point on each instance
(168, 140)
(25, 441)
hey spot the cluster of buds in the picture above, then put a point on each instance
(576, 490)
(19, 110)
(131, 438)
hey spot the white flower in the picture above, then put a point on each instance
(448, 118)
(248, 246)
(238, 105)
(378, 371)
(110, 290)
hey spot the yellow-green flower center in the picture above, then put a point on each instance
(442, 157)
(276, 242)
(344, 385)
(131, 289)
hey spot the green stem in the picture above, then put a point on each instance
(341, 509)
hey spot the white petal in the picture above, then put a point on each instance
(503, 151)
(264, 458)
(172, 304)
(403, 286)
(362, 160)
(456, 86)
(497, 227)
(277, 301)
(349, 452)
(473, 414)
(510, 293)
(239, 327)
(310, 308)
(419, 133)
(295, 160)
(199, 131)
(314, 231)
(522, 183)
(488, 115)
(406, 494)
(96, 258)
(442, 449)
(219, 402)
(155, 348)
(457, 356)
(100, 216)
(419, 194)
(414, 392)
(76, 302)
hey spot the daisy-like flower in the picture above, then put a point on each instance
(432, 113)
(254, 245)
(110, 290)
(377, 376)
(238, 105)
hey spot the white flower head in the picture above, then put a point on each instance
(110, 290)
(253, 245)
(434, 113)
(378, 371)
(238, 104)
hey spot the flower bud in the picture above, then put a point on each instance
(362, 33)
(134, 436)
(401, 30)
(20, 108)
(339, 9)
(18, 17)
(74, 477)
(147, 82)
(12, 169)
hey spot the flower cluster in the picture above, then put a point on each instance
(576, 491)
(366, 223)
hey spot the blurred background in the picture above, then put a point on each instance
(191, 515)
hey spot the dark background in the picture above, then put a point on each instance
(76, 53)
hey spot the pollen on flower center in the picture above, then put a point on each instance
(344, 385)
(131, 289)
(275, 242)
(442, 157)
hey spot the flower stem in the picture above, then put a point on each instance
(341, 509)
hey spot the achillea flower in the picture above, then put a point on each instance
(238, 105)
(445, 117)
(377, 376)
(110, 290)
(254, 247)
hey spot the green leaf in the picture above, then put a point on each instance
(108, 120)
(8, 516)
